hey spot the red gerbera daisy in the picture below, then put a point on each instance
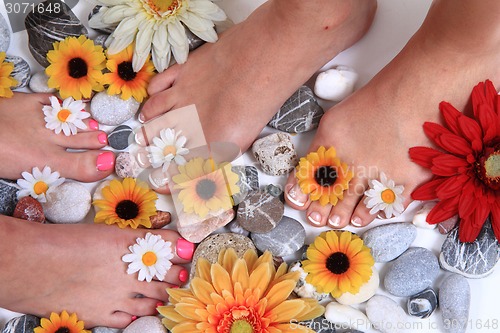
(467, 175)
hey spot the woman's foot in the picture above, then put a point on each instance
(78, 268)
(26, 143)
(240, 82)
(374, 128)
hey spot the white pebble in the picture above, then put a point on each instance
(38, 83)
(275, 153)
(419, 219)
(335, 84)
(344, 316)
(111, 109)
(70, 202)
(386, 315)
(148, 324)
(365, 292)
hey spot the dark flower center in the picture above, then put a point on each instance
(62, 330)
(206, 189)
(127, 210)
(77, 68)
(126, 71)
(488, 168)
(337, 263)
(325, 175)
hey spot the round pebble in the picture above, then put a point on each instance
(388, 241)
(260, 212)
(423, 304)
(160, 220)
(4, 34)
(22, 324)
(366, 291)
(69, 203)
(345, 316)
(119, 138)
(386, 315)
(304, 289)
(126, 166)
(21, 72)
(29, 209)
(102, 329)
(38, 83)
(275, 153)
(148, 324)
(8, 197)
(335, 84)
(454, 302)
(111, 109)
(420, 217)
(319, 325)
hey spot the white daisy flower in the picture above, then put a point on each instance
(66, 117)
(150, 257)
(168, 147)
(39, 183)
(385, 196)
(157, 27)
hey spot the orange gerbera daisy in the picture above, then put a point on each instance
(61, 323)
(338, 262)
(122, 78)
(6, 81)
(75, 68)
(323, 176)
(244, 295)
(126, 203)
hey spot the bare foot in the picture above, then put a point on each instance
(26, 143)
(374, 128)
(239, 83)
(78, 268)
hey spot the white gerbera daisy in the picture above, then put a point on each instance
(385, 196)
(167, 148)
(39, 183)
(66, 117)
(150, 257)
(157, 26)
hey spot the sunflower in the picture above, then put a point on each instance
(157, 27)
(122, 78)
(244, 295)
(63, 323)
(126, 203)
(6, 81)
(75, 68)
(338, 262)
(323, 176)
(205, 186)
(467, 174)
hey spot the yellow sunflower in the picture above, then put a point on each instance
(244, 295)
(75, 68)
(338, 262)
(63, 323)
(122, 78)
(6, 81)
(323, 176)
(205, 186)
(126, 203)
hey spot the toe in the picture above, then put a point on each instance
(317, 215)
(361, 215)
(143, 306)
(341, 214)
(88, 166)
(163, 80)
(294, 196)
(83, 140)
(157, 104)
(155, 290)
(177, 275)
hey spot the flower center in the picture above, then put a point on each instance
(63, 330)
(388, 196)
(149, 258)
(240, 319)
(160, 7)
(206, 189)
(63, 115)
(77, 68)
(126, 72)
(127, 210)
(241, 326)
(488, 168)
(40, 187)
(325, 175)
(337, 263)
(169, 150)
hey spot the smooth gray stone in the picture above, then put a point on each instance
(4, 34)
(414, 271)
(319, 325)
(260, 212)
(472, 260)
(119, 137)
(194, 41)
(388, 241)
(21, 72)
(101, 329)
(423, 304)
(22, 324)
(287, 238)
(300, 113)
(276, 191)
(454, 302)
(46, 27)
(8, 197)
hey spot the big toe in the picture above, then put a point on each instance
(88, 166)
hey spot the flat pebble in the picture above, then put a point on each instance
(111, 109)
(102, 329)
(287, 238)
(192, 228)
(126, 166)
(29, 209)
(275, 153)
(335, 84)
(260, 212)
(304, 289)
(300, 113)
(345, 316)
(388, 241)
(366, 291)
(119, 138)
(472, 260)
(22, 324)
(21, 71)
(386, 315)
(70, 203)
(4, 34)
(319, 325)
(38, 83)
(412, 272)
(423, 304)
(454, 302)
(420, 217)
(236, 228)
(160, 220)
(8, 197)
(248, 181)
(148, 324)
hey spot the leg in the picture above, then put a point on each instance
(240, 82)
(442, 61)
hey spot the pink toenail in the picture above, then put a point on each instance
(314, 218)
(141, 118)
(160, 304)
(183, 275)
(134, 318)
(93, 125)
(356, 221)
(103, 138)
(105, 161)
(334, 221)
(184, 249)
(293, 196)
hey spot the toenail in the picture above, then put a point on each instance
(294, 194)
(183, 275)
(356, 221)
(105, 161)
(314, 218)
(103, 138)
(334, 221)
(134, 318)
(160, 304)
(141, 118)
(184, 249)
(93, 125)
